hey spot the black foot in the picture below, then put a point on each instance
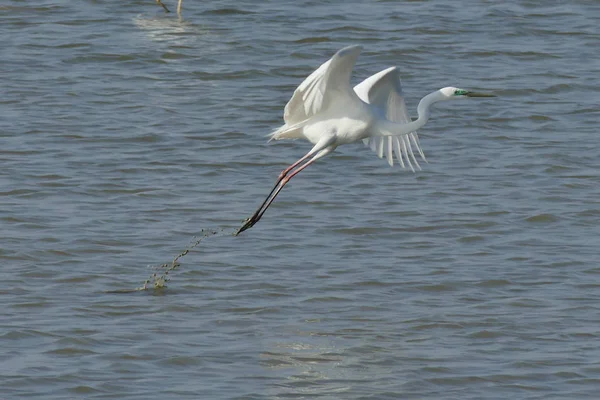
(249, 223)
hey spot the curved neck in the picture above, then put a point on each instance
(423, 111)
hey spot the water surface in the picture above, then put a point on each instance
(125, 133)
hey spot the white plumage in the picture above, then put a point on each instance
(383, 90)
(328, 112)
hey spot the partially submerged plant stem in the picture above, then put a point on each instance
(163, 6)
(179, 6)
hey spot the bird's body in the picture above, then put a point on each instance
(328, 112)
(345, 125)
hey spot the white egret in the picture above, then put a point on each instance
(327, 112)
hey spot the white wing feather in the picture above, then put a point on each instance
(330, 82)
(383, 90)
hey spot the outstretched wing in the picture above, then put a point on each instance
(383, 90)
(330, 81)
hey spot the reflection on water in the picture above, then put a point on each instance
(309, 364)
(170, 28)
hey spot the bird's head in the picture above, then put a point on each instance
(450, 93)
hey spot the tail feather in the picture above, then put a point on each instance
(286, 131)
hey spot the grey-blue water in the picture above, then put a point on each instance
(125, 133)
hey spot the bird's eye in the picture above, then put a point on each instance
(460, 92)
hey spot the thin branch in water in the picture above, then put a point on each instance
(165, 7)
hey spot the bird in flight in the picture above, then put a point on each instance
(328, 112)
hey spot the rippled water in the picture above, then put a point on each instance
(126, 133)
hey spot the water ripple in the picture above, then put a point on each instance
(128, 133)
